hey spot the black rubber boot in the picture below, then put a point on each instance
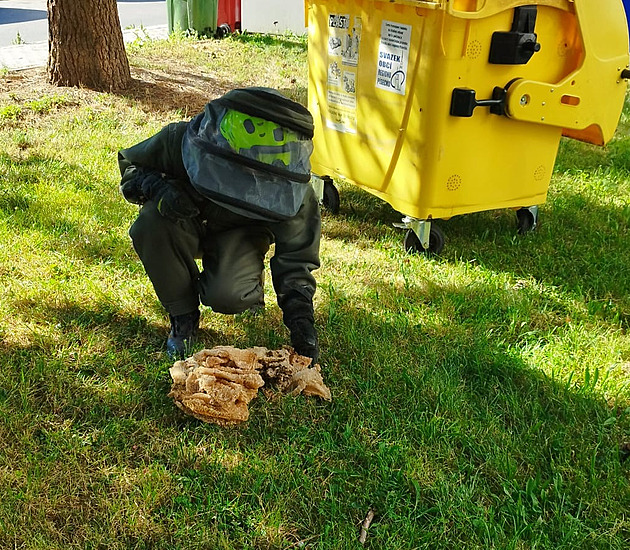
(183, 334)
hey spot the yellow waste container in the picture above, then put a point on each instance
(447, 107)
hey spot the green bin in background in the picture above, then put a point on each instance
(202, 16)
(177, 11)
(195, 15)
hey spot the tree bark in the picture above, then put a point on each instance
(85, 45)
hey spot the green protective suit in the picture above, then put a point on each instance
(230, 241)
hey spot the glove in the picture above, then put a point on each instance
(140, 184)
(173, 201)
(150, 181)
(131, 187)
(298, 316)
(304, 338)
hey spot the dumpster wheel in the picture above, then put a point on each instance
(330, 200)
(413, 245)
(527, 219)
(223, 30)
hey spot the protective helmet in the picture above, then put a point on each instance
(250, 151)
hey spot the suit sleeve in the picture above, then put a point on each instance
(296, 256)
(157, 155)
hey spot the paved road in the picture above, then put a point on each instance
(28, 18)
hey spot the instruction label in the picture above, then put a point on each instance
(393, 57)
(344, 40)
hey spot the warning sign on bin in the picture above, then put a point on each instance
(393, 56)
(344, 40)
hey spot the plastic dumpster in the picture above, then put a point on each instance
(195, 15)
(229, 17)
(444, 108)
(177, 15)
(202, 16)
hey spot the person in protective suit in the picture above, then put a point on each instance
(222, 188)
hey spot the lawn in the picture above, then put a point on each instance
(481, 399)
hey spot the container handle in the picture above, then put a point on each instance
(586, 103)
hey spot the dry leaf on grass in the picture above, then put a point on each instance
(216, 385)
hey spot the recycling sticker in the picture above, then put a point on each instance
(344, 43)
(393, 57)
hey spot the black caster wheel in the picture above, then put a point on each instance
(330, 200)
(436, 242)
(223, 30)
(527, 219)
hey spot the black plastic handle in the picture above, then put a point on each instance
(464, 101)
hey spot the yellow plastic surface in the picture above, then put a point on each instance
(403, 145)
(587, 102)
(477, 9)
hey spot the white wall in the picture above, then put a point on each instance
(273, 16)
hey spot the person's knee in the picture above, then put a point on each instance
(148, 225)
(230, 297)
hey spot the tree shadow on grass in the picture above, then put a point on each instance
(580, 245)
(158, 91)
(434, 425)
(185, 91)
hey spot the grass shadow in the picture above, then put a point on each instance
(580, 244)
(430, 425)
(287, 41)
(480, 414)
(158, 91)
(96, 360)
(457, 412)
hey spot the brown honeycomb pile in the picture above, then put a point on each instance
(216, 385)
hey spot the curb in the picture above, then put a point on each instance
(29, 56)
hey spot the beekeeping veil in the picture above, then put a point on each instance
(250, 151)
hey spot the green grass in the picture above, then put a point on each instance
(480, 399)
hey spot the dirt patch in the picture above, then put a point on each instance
(31, 84)
(156, 90)
(153, 90)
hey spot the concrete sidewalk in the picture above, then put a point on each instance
(27, 56)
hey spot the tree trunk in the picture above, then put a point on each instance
(85, 45)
